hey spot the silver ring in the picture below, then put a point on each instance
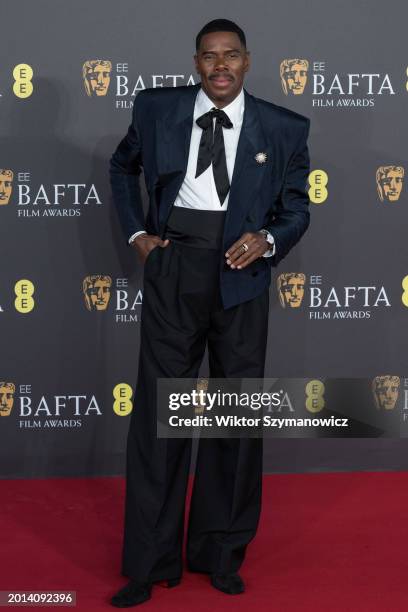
(245, 246)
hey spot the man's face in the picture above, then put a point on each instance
(296, 78)
(392, 185)
(292, 291)
(221, 61)
(99, 79)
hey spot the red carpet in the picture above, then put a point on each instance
(329, 542)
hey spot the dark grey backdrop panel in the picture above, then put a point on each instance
(64, 360)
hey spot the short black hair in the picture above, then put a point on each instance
(220, 25)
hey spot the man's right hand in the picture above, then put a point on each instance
(144, 243)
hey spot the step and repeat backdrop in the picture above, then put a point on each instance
(71, 290)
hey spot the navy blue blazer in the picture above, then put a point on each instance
(271, 195)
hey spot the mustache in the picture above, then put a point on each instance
(224, 76)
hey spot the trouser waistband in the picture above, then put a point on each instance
(195, 227)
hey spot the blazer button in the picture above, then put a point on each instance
(250, 218)
(255, 273)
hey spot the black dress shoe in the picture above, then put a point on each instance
(132, 594)
(136, 592)
(231, 583)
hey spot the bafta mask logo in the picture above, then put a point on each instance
(6, 183)
(291, 289)
(385, 391)
(97, 291)
(96, 75)
(389, 182)
(293, 74)
(7, 390)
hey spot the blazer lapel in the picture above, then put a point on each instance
(248, 173)
(174, 133)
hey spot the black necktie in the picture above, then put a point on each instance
(212, 149)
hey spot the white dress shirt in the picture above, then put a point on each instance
(201, 192)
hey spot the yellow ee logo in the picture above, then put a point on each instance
(314, 396)
(404, 296)
(122, 406)
(24, 290)
(318, 180)
(22, 75)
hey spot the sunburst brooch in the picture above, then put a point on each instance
(261, 157)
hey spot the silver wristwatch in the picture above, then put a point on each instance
(268, 236)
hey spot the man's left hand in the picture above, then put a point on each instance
(238, 257)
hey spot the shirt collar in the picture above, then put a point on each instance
(234, 109)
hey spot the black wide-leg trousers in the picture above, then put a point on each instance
(181, 312)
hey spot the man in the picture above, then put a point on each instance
(226, 175)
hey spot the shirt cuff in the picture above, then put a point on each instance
(271, 252)
(133, 236)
